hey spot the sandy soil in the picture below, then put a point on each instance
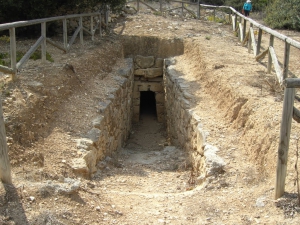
(147, 182)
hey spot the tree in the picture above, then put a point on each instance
(16, 10)
(283, 14)
(5, 172)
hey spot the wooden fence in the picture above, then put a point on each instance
(42, 40)
(242, 25)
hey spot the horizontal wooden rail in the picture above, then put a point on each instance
(236, 19)
(6, 69)
(292, 82)
(6, 26)
(296, 115)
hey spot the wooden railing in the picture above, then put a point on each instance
(244, 27)
(239, 24)
(42, 40)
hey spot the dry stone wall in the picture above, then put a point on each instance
(184, 127)
(111, 128)
(148, 76)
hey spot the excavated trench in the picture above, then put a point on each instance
(155, 99)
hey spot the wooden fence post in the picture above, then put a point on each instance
(43, 45)
(249, 40)
(5, 171)
(198, 9)
(65, 34)
(81, 30)
(214, 15)
(285, 130)
(160, 5)
(259, 41)
(271, 43)
(13, 52)
(235, 21)
(138, 5)
(100, 25)
(92, 27)
(182, 6)
(286, 60)
(244, 28)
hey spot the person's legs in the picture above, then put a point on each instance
(247, 12)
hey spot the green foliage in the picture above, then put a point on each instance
(157, 13)
(212, 2)
(284, 14)
(5, 60)
(3, 56)
(257, 5)
(38, 55)
(5, 39)
(16, 10)
(216, 19)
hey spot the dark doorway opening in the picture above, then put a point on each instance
(148, 104)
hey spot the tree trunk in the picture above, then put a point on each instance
(5, 172)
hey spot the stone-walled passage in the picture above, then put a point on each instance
(184, 127)
(111, 128)
(148, 76)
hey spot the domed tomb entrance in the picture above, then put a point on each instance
(148, 93)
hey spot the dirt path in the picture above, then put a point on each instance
(148, 182)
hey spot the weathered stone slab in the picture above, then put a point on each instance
(97, 122)
(94, 134)
(80, 167)
(144, 62)
(157, 87)
(200, 139)
(159, 97)
(149, 72)
(159, 63)
(214, 163)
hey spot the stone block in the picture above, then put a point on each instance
(136, 94)
(94, 134)
(80, 167)
(214, 163)
(144, 87)
(159, 63)
(160, 97)
(98, 122)
(153, 72)
(161, 118)
(200, 139)
(144, 62)
(156, 87)
(160, 109)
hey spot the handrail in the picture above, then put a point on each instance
(16, 66)
(281, 74)
(7, 26)
(289, 111)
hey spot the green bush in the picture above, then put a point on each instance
(257, 5)
(284, 14)
(5, 60)
(18, 10)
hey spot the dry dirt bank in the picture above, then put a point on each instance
(49, 107)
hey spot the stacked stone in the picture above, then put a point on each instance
(184, 127)
(148, 73)
(110, 129)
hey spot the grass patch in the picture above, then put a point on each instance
(5, 58)
(5, 39)
(216, 19)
